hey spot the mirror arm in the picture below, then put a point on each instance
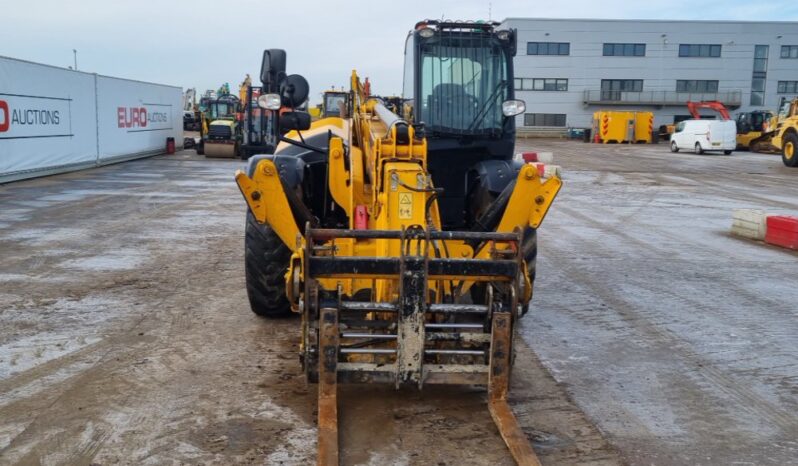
(320, 150)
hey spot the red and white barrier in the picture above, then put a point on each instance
(782, 230)
(749, 223)
(542, 161)
(778, 230)
(532, 157)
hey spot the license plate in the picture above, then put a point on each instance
(715, 143)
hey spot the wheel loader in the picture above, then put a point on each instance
(407, 242)
(785, 136)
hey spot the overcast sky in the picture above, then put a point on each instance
(203, 44)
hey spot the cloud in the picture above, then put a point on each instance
(203, 43)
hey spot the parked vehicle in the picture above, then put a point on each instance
(704, 136)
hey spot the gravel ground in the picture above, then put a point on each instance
(126, 338)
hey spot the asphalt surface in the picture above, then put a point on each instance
(655, 337)
(679, 340)
(126, 338)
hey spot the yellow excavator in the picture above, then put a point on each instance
(408, 248)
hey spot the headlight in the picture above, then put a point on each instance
(503, 35)
(513, 107)
(426, 32)
(270, 101)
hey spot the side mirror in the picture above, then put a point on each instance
(513, 107)
(294, 90)
(272, 68)
(299, 121)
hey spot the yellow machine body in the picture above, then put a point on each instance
(396, 199)
(785, 136)
(382, 299)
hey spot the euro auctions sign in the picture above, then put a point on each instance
(34, 116)
(146, 117)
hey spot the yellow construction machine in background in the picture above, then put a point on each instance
(402, 273)
(754, 130)
(785, 135)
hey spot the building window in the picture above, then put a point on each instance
(548, 48)
(699, 50)
(788, 87)
(544, 119)
(759, 74)
(611, 89)
(541, 84)
(625, 85)
(624, 50)
(696, 85)
(789, 51)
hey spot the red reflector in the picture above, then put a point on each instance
(782, 230)
(530, 157)
(361, 218)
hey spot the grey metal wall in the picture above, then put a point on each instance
(660, 68)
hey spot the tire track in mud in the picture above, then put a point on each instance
(705, 372)
(208, 382)
(111, 354)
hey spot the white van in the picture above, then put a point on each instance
(705, 135)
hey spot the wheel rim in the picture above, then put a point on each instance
(673, 145)
(789, 151)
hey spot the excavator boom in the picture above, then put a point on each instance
(693, 108)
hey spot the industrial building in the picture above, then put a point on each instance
(567, 69)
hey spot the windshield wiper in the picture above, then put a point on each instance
(488, 104)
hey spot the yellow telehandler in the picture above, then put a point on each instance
(406, 242)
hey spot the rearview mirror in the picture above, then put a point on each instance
(299, 121)
(513, 107)
(272, 68)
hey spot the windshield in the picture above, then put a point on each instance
(221, 110)
(331, 102)
(463, 84)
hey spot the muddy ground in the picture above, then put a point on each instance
(126, 338)
(655, 337)
(677, 339)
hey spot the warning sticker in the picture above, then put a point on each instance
(405, 206)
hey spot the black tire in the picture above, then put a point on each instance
(697, 149)
(727, 152)
(789, 150)
(201, 147)
(266, 260)
(674, 147)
